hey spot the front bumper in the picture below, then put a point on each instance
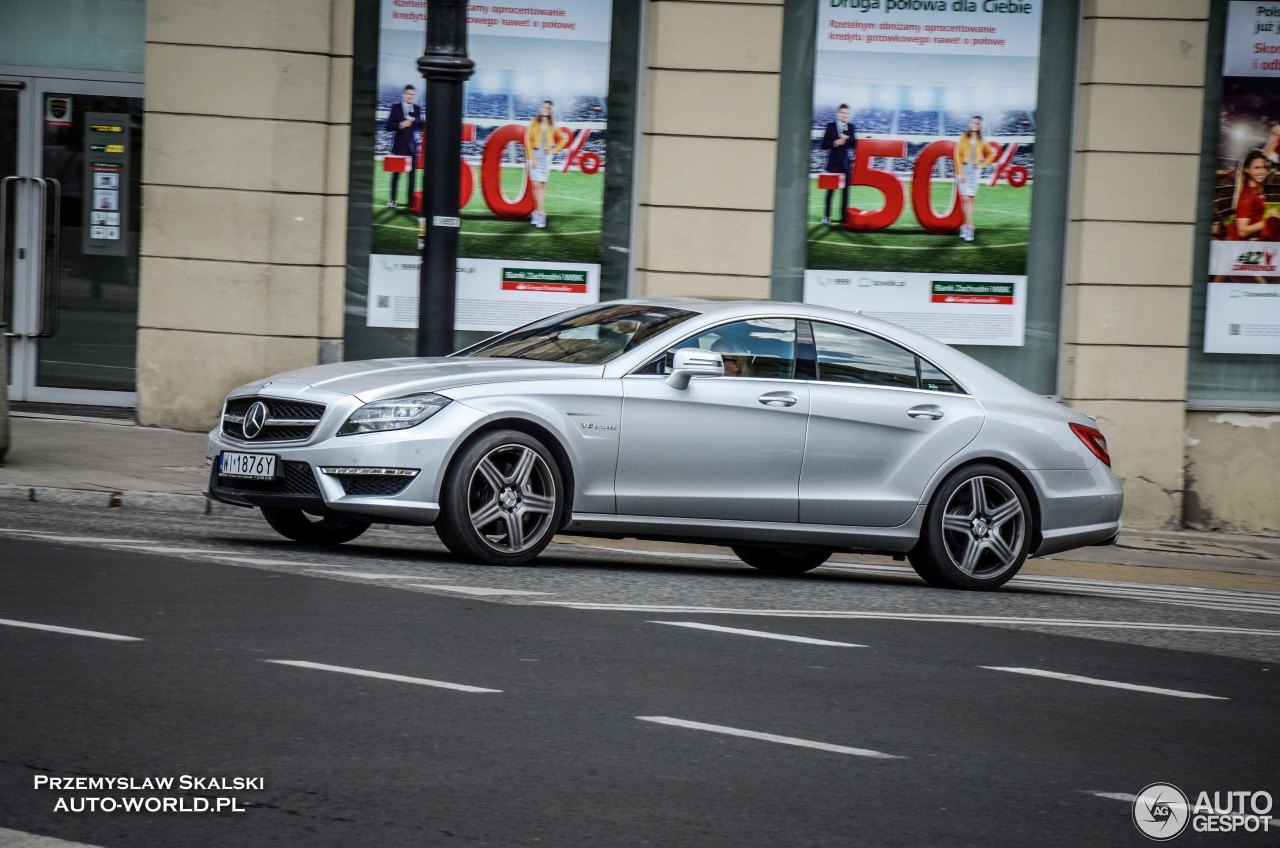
(426, 449)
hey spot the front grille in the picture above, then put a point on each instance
(374, 484)
(277, 410)
(298, 479)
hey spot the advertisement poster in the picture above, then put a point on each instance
(922, 163)
(1242, 313)
(532, 166)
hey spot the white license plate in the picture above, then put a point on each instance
(253, 466)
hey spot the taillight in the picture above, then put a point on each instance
(1093, 440)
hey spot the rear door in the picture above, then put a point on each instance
(881, 423)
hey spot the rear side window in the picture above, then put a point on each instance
(933, 380)
(852, 356)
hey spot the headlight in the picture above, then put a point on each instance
(395, 414)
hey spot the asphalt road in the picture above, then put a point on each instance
(605, 719)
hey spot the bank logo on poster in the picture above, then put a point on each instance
(1245, 231)
(532, 169)
(922, 162)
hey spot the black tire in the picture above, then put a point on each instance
(300, 527)
(781, 561)
(502, 501)
(977, 530)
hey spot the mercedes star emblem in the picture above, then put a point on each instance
(254, 420)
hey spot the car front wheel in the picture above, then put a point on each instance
(977, 531)
(780, 560)
(502, 500)
(300, 527)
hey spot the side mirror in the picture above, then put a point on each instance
(694, 362)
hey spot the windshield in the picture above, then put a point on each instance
(587, 338)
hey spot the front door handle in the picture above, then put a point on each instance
(777, 399)
(927, 410)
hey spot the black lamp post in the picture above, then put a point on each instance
(446, 66)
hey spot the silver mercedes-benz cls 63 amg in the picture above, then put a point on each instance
(785, 431)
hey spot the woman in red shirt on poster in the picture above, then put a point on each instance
(1252, 221)
(1250, 203)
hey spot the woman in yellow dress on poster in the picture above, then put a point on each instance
(542, 140)
(972, 154)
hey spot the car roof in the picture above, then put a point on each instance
(731, 308)
(971, 373)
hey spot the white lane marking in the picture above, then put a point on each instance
(365, 575)
(1224, 599)
(761, 634)
(1127, 798)
(153, 549)
(80, 540)
(922, 617)
(21, 839)
(479, 591)
(382, 675)
(1114, 796)
(246, 560)
(1154, 592)
(1094, 681)
(71, 631)
(769, 737)
(641, 552)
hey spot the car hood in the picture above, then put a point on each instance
(377, 379)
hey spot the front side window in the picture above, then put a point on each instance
(592, 337)
(852, 356)
(760, 347)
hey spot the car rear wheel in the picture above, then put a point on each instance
(300, 527)
(977, 531)
(781, 560)
(502, 501)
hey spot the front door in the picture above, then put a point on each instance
(70, 214)
(725, 447)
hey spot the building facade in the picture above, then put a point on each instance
(256, 143)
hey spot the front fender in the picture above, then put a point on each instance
(584, 421)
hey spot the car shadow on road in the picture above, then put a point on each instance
(563, 556)
(418, 547)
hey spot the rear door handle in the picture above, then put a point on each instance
(927, 410)
(777, 399)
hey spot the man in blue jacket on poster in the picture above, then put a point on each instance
(405, 121)
(839, 142)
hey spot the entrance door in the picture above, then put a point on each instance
(70, 167)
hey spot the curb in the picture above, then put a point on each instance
(148, 501)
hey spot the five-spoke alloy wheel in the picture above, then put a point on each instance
(502, 501)
(977, 531)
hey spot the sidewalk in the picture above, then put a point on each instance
(125, 466)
